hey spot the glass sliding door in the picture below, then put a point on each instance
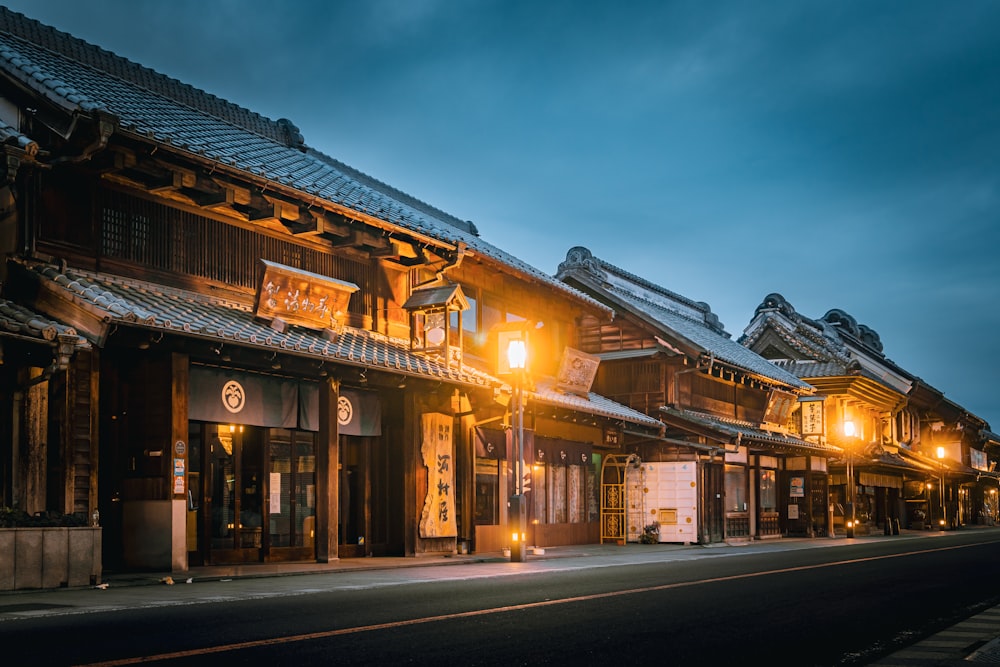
(291, 494)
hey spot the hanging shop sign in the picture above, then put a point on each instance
(779, 407)
(299, 297)
(436, 449)
(812, 415)
(577, 371)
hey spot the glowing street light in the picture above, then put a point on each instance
(944, 511)
(517, 357)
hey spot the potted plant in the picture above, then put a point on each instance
(650, 534)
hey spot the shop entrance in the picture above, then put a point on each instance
(233, 495)
(371, 498)
(251, 494)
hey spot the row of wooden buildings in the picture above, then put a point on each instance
(238, 349)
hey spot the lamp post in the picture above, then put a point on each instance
(517, 356)
(851, 521)
(944, 512)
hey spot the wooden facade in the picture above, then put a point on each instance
(911, 458)
(668, 356)
(206, 429)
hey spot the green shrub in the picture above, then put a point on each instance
(15, 518)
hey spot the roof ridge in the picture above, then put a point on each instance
(402, 197)
(699, 305)
(685, 316)
(91, 55)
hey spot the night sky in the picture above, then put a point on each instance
(844, 154)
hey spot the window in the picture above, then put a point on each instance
(564, 493)
(487, 492)
(736, 489)
(768, 490)
(470, 318)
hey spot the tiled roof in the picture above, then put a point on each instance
(16, 320)
(723, 348)
(731, 428)
(81, 77)
(812, 369)
(545, 394)
(142, 304)
(674, 315)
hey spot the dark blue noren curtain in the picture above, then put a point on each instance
(358, 412)
(234, 397)
(562, 452)
(491, 443)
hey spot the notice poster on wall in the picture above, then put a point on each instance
(275, 488)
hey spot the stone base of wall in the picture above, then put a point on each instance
(49, 557)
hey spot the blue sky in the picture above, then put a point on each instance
(844, 154)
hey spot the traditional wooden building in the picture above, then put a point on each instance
(239, 349)
(730, 465)
(912, 458)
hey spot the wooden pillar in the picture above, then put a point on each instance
(180, 388)
(34, 461)
(327, 473)
(412, 495)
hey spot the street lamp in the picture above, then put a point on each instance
(851, 522)
(944, 512)
(517, 357)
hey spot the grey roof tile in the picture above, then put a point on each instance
(23, 322)
(138, 303)
(746, 430)
(545, 393)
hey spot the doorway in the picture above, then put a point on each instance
(713, 495)
(233, 493)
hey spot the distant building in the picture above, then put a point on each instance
(901, 437)
(731, 464)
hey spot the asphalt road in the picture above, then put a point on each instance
(767, 604)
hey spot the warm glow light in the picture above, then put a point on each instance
(517, 354)
(513, 537)
(849, 429)
(232, 428)
(940, 452)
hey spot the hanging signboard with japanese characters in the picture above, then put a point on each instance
(299, 297)
(438, 516)
(812, 416)
(779, 407)
(577, 371)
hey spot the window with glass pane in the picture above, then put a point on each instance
(470, 318)
(736, 489)
(292, 488)
(768, 490)
(487, 492)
